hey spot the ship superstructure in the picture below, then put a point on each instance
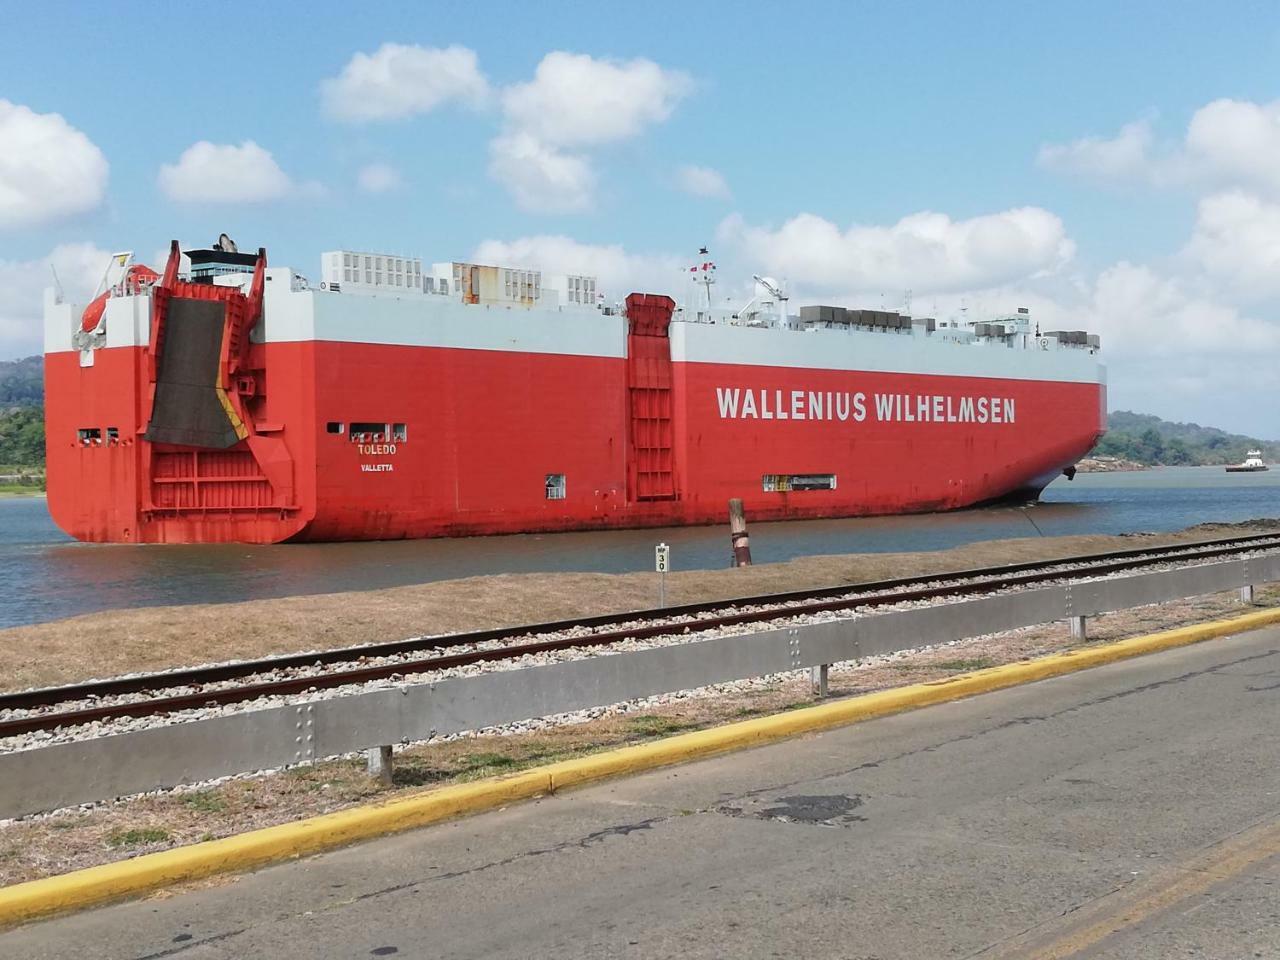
(237, 401)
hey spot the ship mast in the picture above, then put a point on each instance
(704, 273)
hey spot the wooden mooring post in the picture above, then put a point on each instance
(738, 534)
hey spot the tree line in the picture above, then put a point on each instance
(22, 437)
(1152, 441)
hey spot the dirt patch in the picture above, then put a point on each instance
(157, 638)
(47, 845)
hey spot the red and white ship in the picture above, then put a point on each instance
(232, 401)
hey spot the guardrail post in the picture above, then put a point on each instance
(1078, 631)
(818, 679)
(1246, 594)
(380, 764)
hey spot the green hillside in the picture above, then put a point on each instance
(22, 382)
(1150, 440)
(21, 424)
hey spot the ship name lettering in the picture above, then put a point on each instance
(738, 403)
(377, 449)
(377, 467)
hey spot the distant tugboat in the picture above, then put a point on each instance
(1252, 464)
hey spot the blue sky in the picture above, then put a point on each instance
(858, 115)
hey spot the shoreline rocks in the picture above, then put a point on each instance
(1103, 464)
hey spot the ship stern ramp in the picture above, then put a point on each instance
(187, 409)
(213, 468)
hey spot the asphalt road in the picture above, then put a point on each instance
(1129, 811)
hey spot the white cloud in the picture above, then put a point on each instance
(539, 177)
(1173, 350)
(22, 284)
(398, 81)
(925, 252)
(577, 100)
(1238, 142)
(222, 173)
(378, 178)
(1146, 314)
(48, 168)
(1237, 242)
(1181, 336)
(620, 273)
(1227, 143)
(702, 182)
(1125, 155)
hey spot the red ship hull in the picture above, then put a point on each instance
(484, 436)
(475, 437)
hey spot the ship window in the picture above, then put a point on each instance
(555, 486)
(399, 432)
(786, 482)
(368, 432)
(89, 435)
(113, 434)
(333, 426)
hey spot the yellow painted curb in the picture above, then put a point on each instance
(83, 888)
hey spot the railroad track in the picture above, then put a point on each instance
(32, 711)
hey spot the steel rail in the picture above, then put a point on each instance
(879, 593)
(191, 676)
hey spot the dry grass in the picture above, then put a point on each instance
(73, 839)
(157, 638)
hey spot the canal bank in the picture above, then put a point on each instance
(46, 576)
(116, 642)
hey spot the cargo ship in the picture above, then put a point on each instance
(225, 400)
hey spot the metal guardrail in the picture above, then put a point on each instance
(62, 775)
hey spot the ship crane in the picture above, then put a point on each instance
(769, 293)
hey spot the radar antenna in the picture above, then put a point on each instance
(768, 291)
(778, 293)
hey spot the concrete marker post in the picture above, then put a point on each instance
(380, 765)
(1246, 594)
(818, 676)
(1078, 631)
(661, 561)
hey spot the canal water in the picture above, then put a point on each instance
(44, 575)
